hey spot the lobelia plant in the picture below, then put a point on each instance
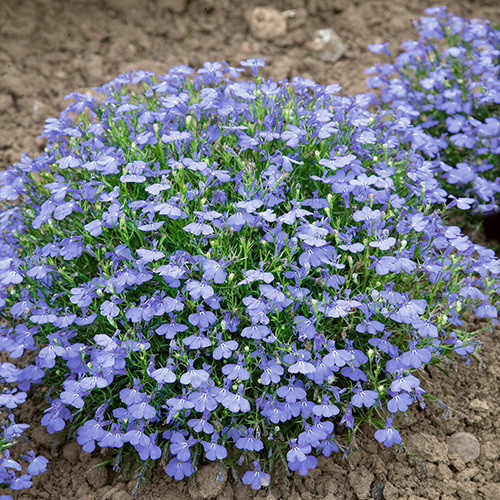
(207, 269)
(447, 84)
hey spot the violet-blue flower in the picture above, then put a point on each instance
(389, 435)
(256, 478)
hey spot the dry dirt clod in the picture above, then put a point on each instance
(427, 447)
(97, 475)
(40, 436)
(117, 492)
(71, 452)
(465, 445)
(360, 481)
(209, 482)
(83, 490)
(295, 18)
(175, 6)
(6, 102)
(266, 23)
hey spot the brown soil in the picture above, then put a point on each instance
(49, 48)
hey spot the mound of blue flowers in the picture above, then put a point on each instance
(448, 83)
(202, 268)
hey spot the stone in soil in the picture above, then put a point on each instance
(327, 45)
(465, 445)
(377, 490)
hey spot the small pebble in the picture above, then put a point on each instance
(465, 445)
(327, 45)
(377, 490)
(295, 18)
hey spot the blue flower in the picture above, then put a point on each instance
(210, 72)
(134, 395)
(258, 332)
(13, 430)
(163, 375)
(224, 349)
(169, 330)
(416, 357)
(202, 319)
(179, 469)
(300, 363)
(180, 447)
(389, 435)
(399, 402)
(249, 442)
(12, 399)
(236, 402)
(191, 177)
(292, 392)
(253, 64)
(364, 397)
(271, 371)
(149, 449)
(236, 371)
(10, 463)
(194, 376)
(252, 275)
(88, 433)
(303, 466)
(21, 482)
(112, 438)
(325, 409)
(293, 135)
(214, 451)
(256, 478)
(214, 270)
(203, 399)
(202, 424)
(199, 289)
(142, 410)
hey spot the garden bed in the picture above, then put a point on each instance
(51, 49)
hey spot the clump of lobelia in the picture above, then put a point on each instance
(206, 269)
